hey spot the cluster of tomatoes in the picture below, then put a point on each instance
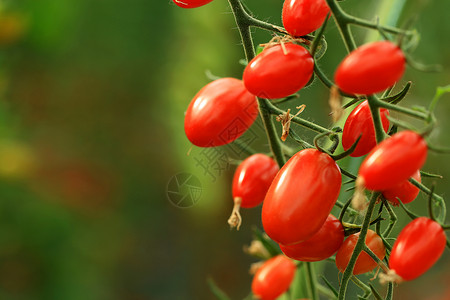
(298, 198)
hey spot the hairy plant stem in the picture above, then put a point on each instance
(243, 21)
(360, 244)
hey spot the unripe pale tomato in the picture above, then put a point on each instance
(273, 278)
(220, 113)
(252, 179)
(371, 68)
(364, 263)
(360, 123)
(301, 17)
(191, 3)
(418, 247)
(301, 197)
(405, 191)
(278, 71)
(321, 245)
(393, 161)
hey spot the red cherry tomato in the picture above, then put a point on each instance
(364, 263)
(252, 179)
(301, 197)
(301, 17)
(417, 248)
(405, 191)
(393, 161)
(360, 122)
(273, 278)
(321, 245)
(371, 68)
(220, 113)
(278, 71)
(191, 3)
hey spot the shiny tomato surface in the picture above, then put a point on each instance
(393, 161)
(360, 122)
(301, 17)
(301, 197)
(371, 68)
(405, 191)
(321, 245)
(252, 179)
(220, 113)
(191, 3)
(364, 263)
(278, 71)
(273, 278)
(418, 247)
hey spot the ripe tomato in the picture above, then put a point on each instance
(360, 122)
(321, 245)
(279, 71)
(273, 278)
(393, 161)
(371, 68)
(301, 17)
(220, 113)
(405, 191)
(417, 248)
(301, 197)
(252, 179)
(364, 263)
(191, 3)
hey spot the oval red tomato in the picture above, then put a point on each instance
(191, 3)
(301, 197)
(252, 179)
(405, 191)
(278, 71)
(301, 17)
(273, 278)
(321, 245)
(360, 122)
(364, 263)
(220, 113)
(393, 161)
(418, 247)
(371, 68)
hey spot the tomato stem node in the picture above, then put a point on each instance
(235, 220)
(390, 276)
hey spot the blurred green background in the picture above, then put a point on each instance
(92, 96)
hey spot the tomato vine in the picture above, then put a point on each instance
(393, 159)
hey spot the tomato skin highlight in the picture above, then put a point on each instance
(301, 196)
(417, 248)
(393, 161)
(273, 278)
(405, 191)
(275, 74)
(220, 113)
(321, 245)
(191, 3)
(371, 68)
(301, 17)
(252, 179)
(364, 263)
(360, 122)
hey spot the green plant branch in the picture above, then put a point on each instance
(436, 197)
(392, 219)
(407, 111)
(360, 244)
(362, 286)
(342, 21)
(243, 20)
